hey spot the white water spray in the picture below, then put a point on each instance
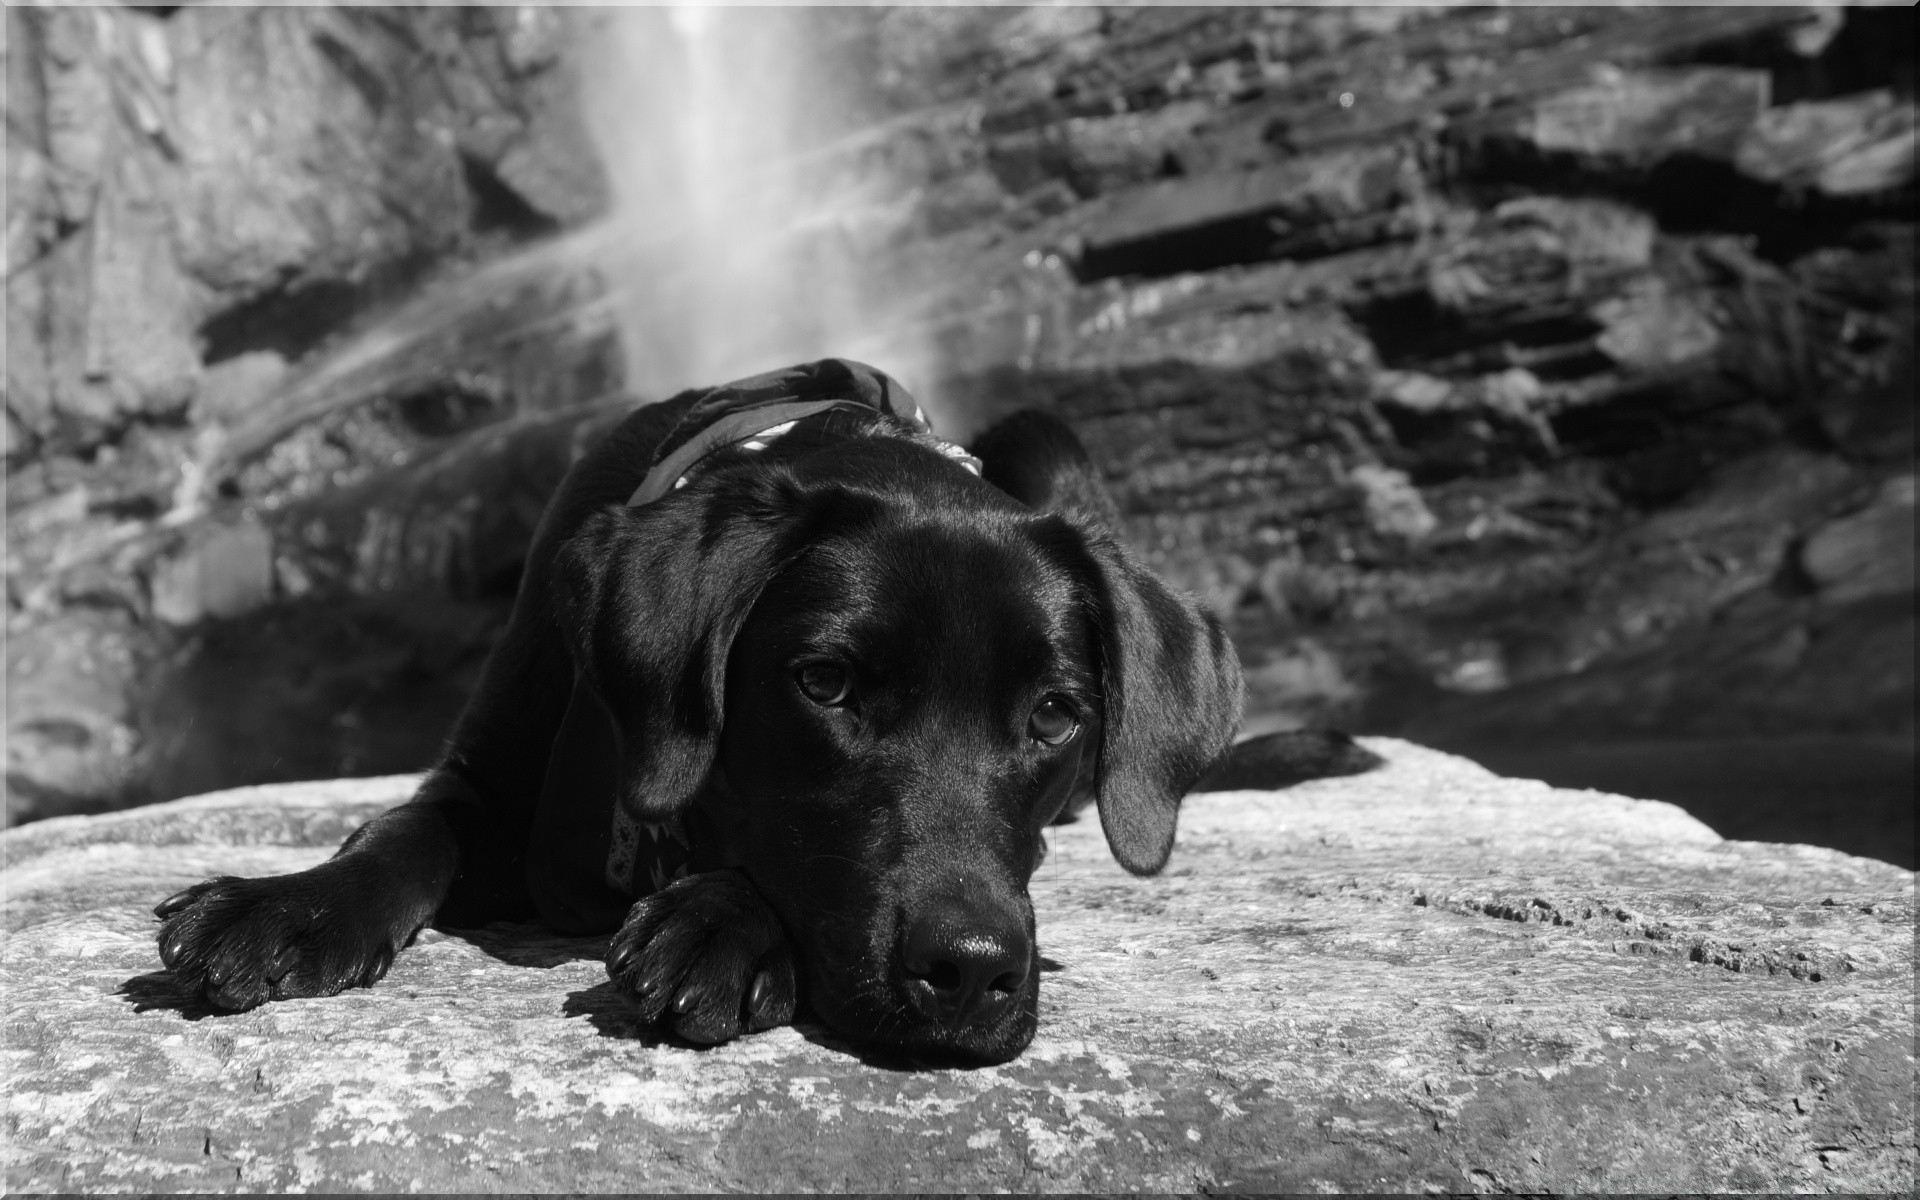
(741, 240)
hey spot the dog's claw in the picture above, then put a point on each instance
(237, 997)
(651, 983)
(377, 969)
(621, 960)
(176, 902)
(770, 1000)
(282, 963)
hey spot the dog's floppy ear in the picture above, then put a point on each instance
(1173, 693)
(1035, 457)
(648, 600)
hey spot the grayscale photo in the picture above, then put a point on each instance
(1142, 598)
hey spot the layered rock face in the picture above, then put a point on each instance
(1501, 376)
(1449, 352)
(1424, 978)
(197, 199)
(202, 203)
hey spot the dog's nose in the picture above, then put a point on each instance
(965, 963)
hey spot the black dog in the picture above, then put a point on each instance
(790, 713)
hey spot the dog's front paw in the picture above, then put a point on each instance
(705, 958)
(240, 942)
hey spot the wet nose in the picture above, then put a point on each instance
(965, 962)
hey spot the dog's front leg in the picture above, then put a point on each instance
(240, 942)
(706, 958)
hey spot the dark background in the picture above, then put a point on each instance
(1535, 383)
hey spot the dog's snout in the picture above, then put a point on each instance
(964, 963)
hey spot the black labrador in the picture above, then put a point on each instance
(790, 691)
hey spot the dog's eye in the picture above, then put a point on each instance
(825, 683)
(1053, 722)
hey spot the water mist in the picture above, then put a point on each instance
(746, 232)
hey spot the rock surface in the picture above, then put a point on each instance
(1428, 977)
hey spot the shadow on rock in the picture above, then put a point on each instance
(530, 945)
(897, 1061)
(883, 1060)
(892, 1060)
(610, 1012)
(615, 1016)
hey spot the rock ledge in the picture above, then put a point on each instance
(1428, 977)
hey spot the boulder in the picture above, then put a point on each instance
(1296, 209)
(72, 730)
(225, 571)
(1847, 146)
(1776, 639)
(1631, 120)
(1424, 978)
(1869, 552)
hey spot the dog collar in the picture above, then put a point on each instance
(751, 413)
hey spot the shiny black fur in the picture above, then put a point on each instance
(868, 858)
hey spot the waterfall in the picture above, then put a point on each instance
(754, 223)
(743, 237)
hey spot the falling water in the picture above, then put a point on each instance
(741, 238)
(748, 230)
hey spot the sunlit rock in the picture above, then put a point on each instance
(1869, 552)
(1847, 146)
(1424, 978)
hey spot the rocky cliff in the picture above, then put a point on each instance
(202, 202)
(1499, 374)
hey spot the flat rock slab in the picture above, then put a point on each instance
(1424, 977)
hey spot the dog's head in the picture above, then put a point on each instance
(869, 681)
